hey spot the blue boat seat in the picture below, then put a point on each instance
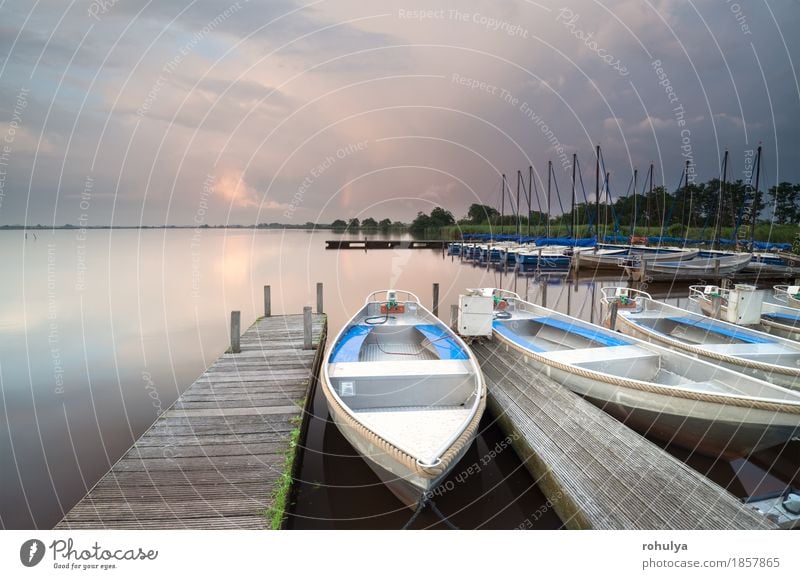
(599, 336)
(349, 345)
(721, 330)
(781, 316)
(508, 333)
(446, 346)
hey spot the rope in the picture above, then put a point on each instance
(421, 503)
(425, 501)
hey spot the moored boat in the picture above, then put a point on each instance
(696, 268)
(764, 356)
(788, 294)
(405, 391)
(657, 391)
(773, 318)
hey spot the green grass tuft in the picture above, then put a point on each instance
(276, 512)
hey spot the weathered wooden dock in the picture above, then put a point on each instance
(596, 472)
(212, 460)
(366, 244)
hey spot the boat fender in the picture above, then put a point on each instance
(792, 503)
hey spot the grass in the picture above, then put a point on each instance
(276, 512)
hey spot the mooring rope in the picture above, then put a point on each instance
(424, 501)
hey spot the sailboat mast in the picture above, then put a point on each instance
(754, 212)
(530, 195)
(519, 225)
(549, 179)
(718, 224)
(574, 221)
(502, 202)
(649, 196)
(633, 217)
(597, 192)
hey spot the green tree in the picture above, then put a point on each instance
(786, 200)
(385, 224)
(478, 213)
(441, 217)
(369, 223)
(339, 224)
(354, 223)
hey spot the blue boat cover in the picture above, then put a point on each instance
(711, 327)
(598, 335)
(446, 346)
(507, 332)
(349, 345)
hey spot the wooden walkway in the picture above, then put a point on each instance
(598, 473)
(212, 459)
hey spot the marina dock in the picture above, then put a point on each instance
(596, 472)
(215, 458)
(366, 244)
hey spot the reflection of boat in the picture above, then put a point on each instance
(405, 391)
(773, 318)
(544, 257)
(788, 294)
(764, 356)
(656, 391)
(696, 268)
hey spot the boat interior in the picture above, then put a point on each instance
(407, 379)
(594, 348)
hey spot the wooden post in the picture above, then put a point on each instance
(716, 268)
(612, 316)
(643, 269)
(267, 302)
(716, 304)
(543, 292)
(576, 263)
(319, 297)
(307, 343)
(454, 317)
(539, 261)
(236, 331)
(436, 300)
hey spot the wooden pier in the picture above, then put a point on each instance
(213, 459)
(366, 244)
(596, 472)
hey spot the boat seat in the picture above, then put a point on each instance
(721, 330)
(501, 329)
(710, 387)
(349, 346)
(598, 335)
(604, 354)
(781, 316)
(445, 345)
(748, 350)
(350, 369)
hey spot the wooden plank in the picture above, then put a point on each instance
(596, 471)
(211, 460)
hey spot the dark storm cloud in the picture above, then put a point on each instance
(149, 99)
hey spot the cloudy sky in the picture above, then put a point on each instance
(189, 111)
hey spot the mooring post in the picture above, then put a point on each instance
(307, 328)
(539, 261)
(436, 300)
(454, 316)
(267, 302)
(543, 292)
(716, 268)
(576, 263)
(612, 316)
(236, 330)
(716, 305)
(319, 297)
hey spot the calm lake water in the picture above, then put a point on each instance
(99, 335)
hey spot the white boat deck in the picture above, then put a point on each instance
(419, 430)
(400, 368)
(582, 355)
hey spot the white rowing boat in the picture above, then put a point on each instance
(788, 294)
(405, 391)
(657, 391)
(774, 318)
(764, 356)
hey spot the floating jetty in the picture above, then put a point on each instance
(596, 472)
(214, 459)
(366, 244)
